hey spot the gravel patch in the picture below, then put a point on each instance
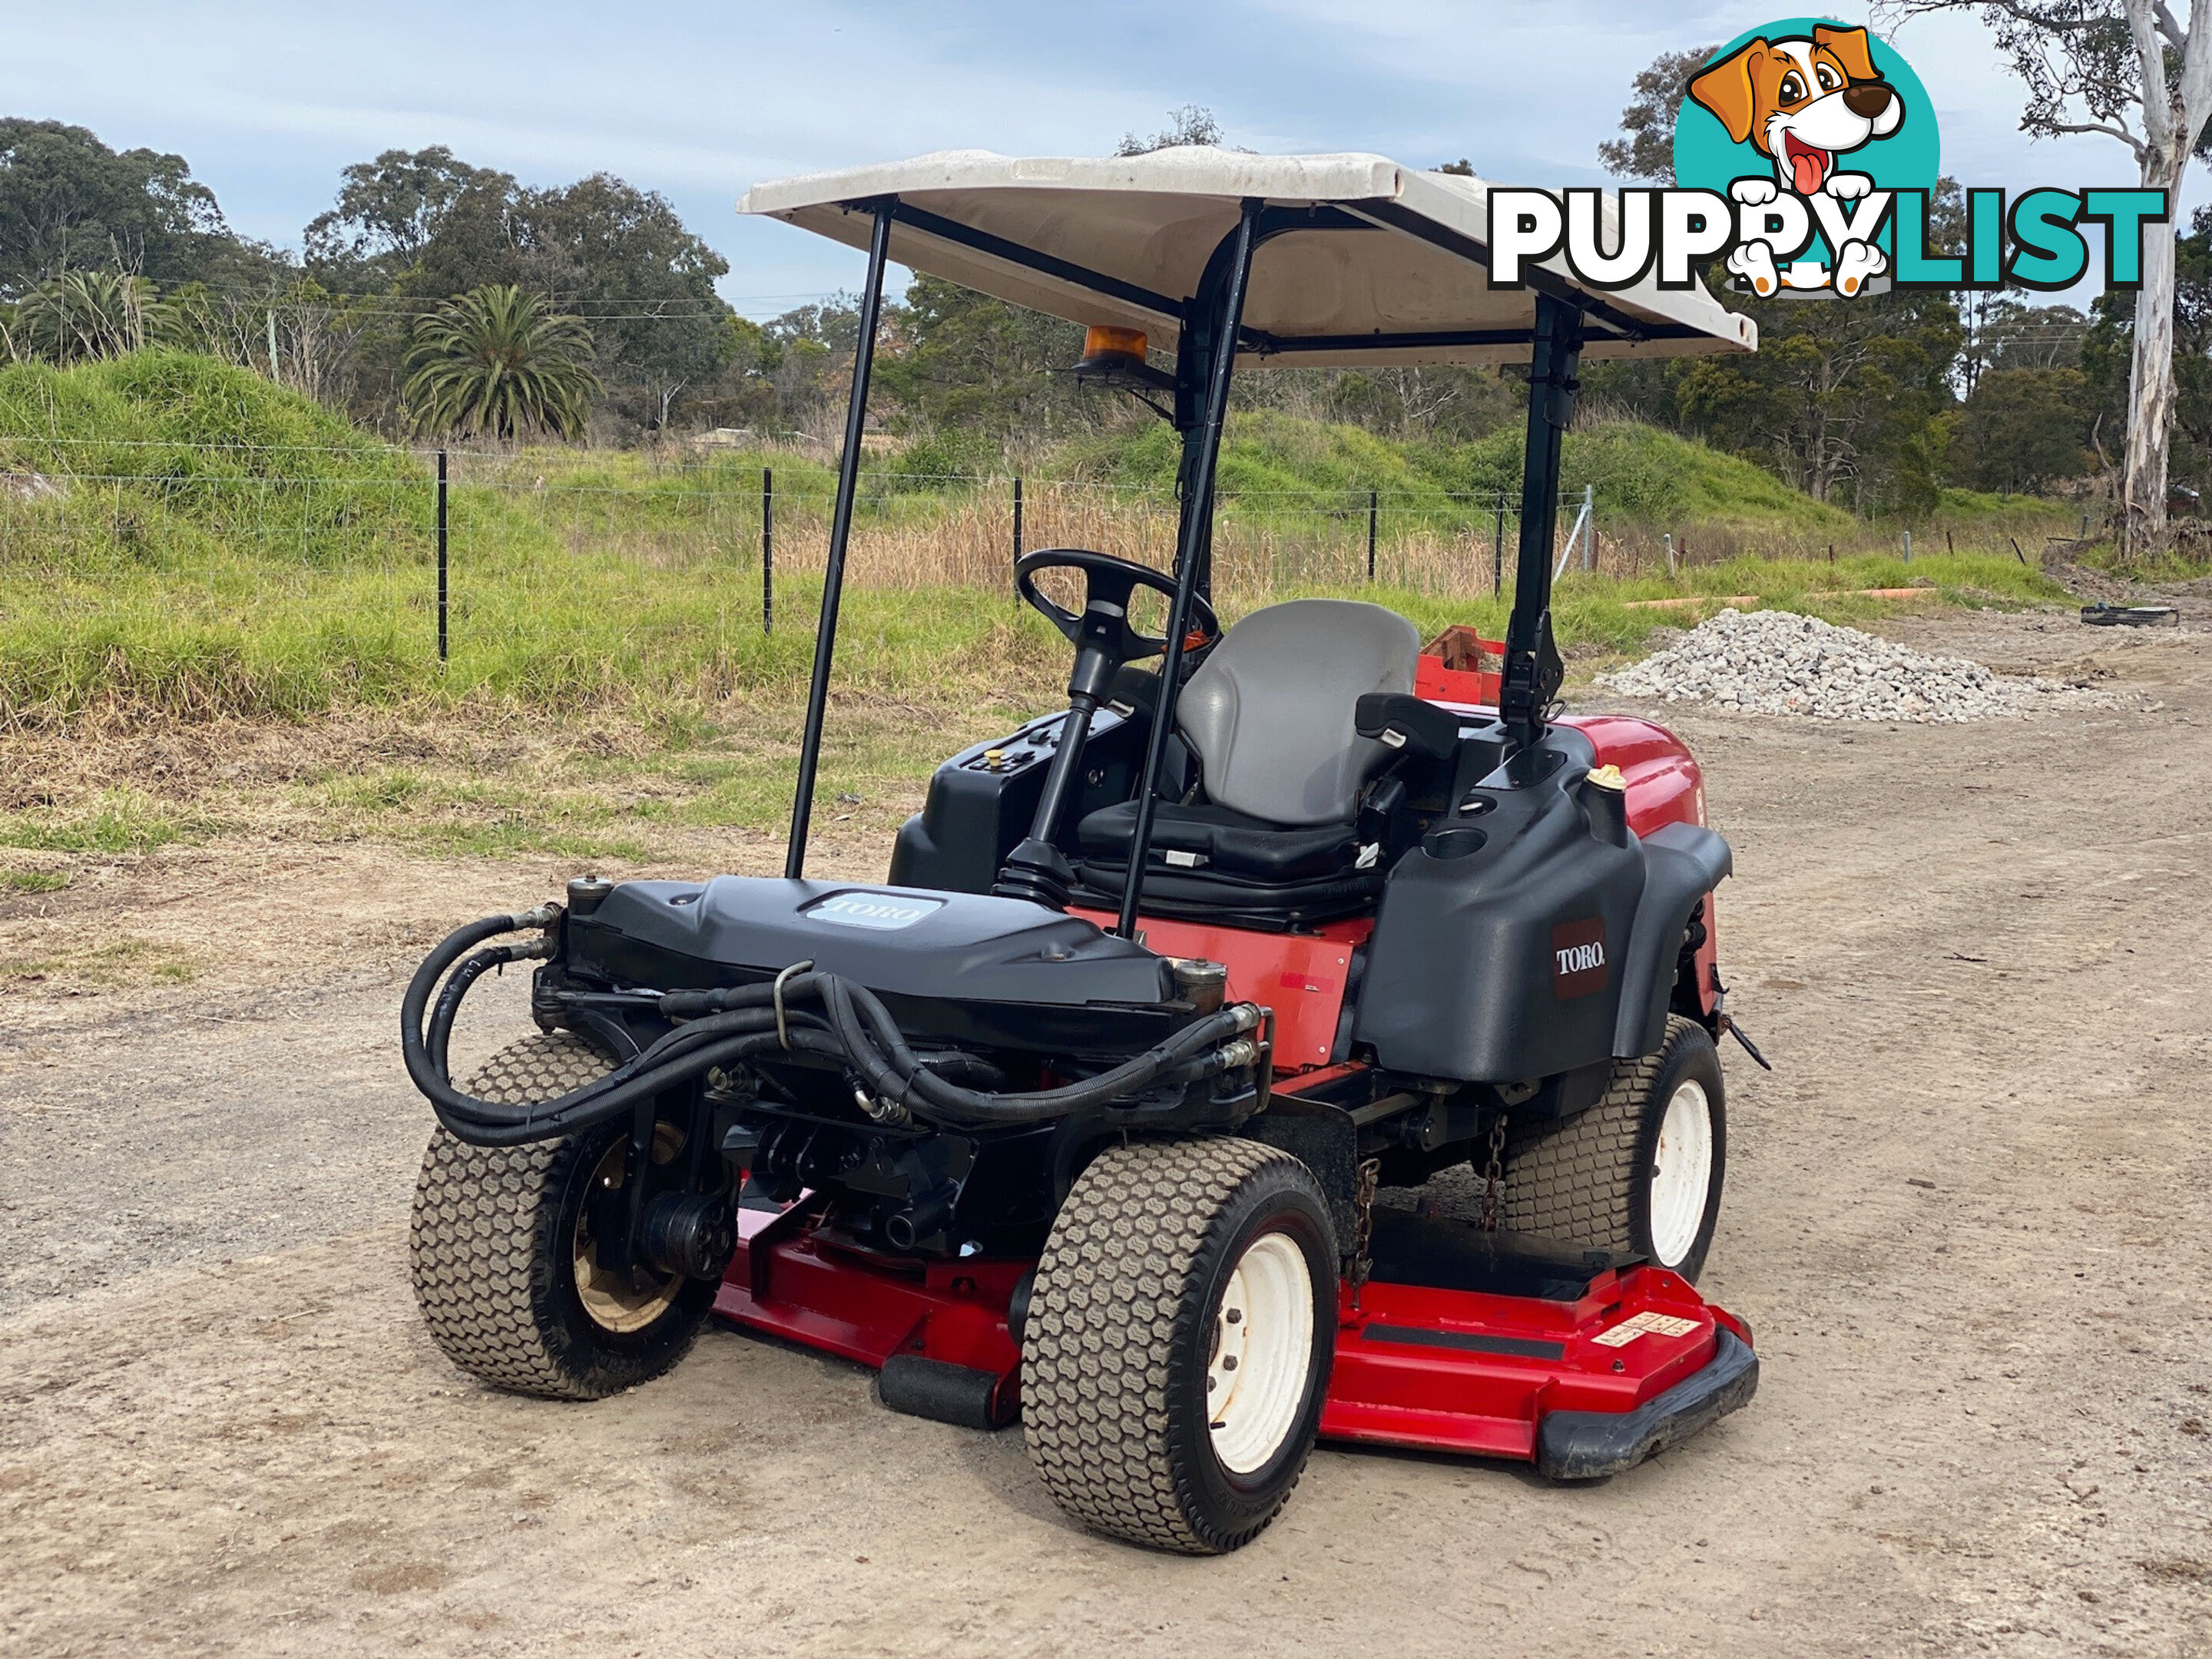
(1775, 662)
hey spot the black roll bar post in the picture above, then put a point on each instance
(1193, 560)
(1533, 669)
(840, 531)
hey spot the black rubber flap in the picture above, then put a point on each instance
(1593, 1445)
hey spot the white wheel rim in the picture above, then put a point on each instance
(1681, 1173)
(1263, 1338)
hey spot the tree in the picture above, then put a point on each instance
(2106, 359)
(2006, 332)
(68, 203)
(1645, 148)
(623, 257)
(1192, 125)
(966, 359)
(391, 210)
(426, 224)
(496, 361)
(2021, 430)
(1843, 398)
(83, 314)
(2129, 70)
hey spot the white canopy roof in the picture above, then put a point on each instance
(1123, 240)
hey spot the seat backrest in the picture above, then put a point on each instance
(1270, 713)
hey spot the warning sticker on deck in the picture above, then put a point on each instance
(1654, 1324)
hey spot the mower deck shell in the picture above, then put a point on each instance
(1469, 1342)
(1485, 1345)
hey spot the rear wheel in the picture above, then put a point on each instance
(1642, 1169)
(503, 1259)
(1179, 1339)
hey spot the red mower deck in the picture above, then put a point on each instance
(1489, 1344)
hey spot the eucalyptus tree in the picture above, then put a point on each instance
(2136, 72)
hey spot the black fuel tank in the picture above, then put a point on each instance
(1497, 954)
(907, 945)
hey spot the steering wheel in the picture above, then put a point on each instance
(1108, 584)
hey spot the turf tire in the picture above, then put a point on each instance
(492, 1242)
(1587, 1181)
(1120, 1331)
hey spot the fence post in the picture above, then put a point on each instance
(767, 551)
(1908, 547)
(1372, 498)
(442, 554)
(1589, 526)
(1018, 516)
(1669, 539)
(1498, 554)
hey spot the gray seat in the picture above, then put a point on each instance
(1269, 717)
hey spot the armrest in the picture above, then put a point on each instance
(1402, 721)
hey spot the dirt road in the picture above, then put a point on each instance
(1965, 1216)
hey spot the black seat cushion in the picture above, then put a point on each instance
(1213, 838)
(1210, 863)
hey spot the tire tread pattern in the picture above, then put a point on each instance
(1102, 1363)
(1574, 1181)
(481, 1262)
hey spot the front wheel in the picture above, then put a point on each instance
(505, 1267)
(1642, 1169)
(1179, 1340)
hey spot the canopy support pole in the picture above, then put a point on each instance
(841, 532)
(1201, 447)
(1533, 669)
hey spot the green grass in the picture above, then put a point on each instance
(33, 881)
(229, 548)
(120, 821)
(118, 964)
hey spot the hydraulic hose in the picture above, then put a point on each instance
(810, 1012)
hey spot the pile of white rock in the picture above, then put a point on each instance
(1774, 662)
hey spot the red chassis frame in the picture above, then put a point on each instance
(1454, 1369)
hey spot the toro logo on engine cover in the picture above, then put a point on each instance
(878, 911)
(1578, 957)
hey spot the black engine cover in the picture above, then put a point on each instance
(956, 966)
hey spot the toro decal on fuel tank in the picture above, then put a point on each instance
(1578, 958)
(878, 912)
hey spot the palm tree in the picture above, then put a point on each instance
(83, 314)
(496, 361)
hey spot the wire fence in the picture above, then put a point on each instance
(432, 545)
(215, 578)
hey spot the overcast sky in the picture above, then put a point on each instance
(698, 101)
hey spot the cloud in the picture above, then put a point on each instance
(269, 101)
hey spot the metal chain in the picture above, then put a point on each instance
(1363, 1201)
(1493, 1175)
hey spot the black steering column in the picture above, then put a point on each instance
(1104, 640)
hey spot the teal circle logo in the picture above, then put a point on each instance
(1809, 126)
(1746, 117)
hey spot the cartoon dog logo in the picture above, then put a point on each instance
(1803, 102)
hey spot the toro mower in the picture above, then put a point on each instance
(1080, 1117)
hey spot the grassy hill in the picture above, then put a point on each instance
(178, 535)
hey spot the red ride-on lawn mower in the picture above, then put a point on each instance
(1081, 1116)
